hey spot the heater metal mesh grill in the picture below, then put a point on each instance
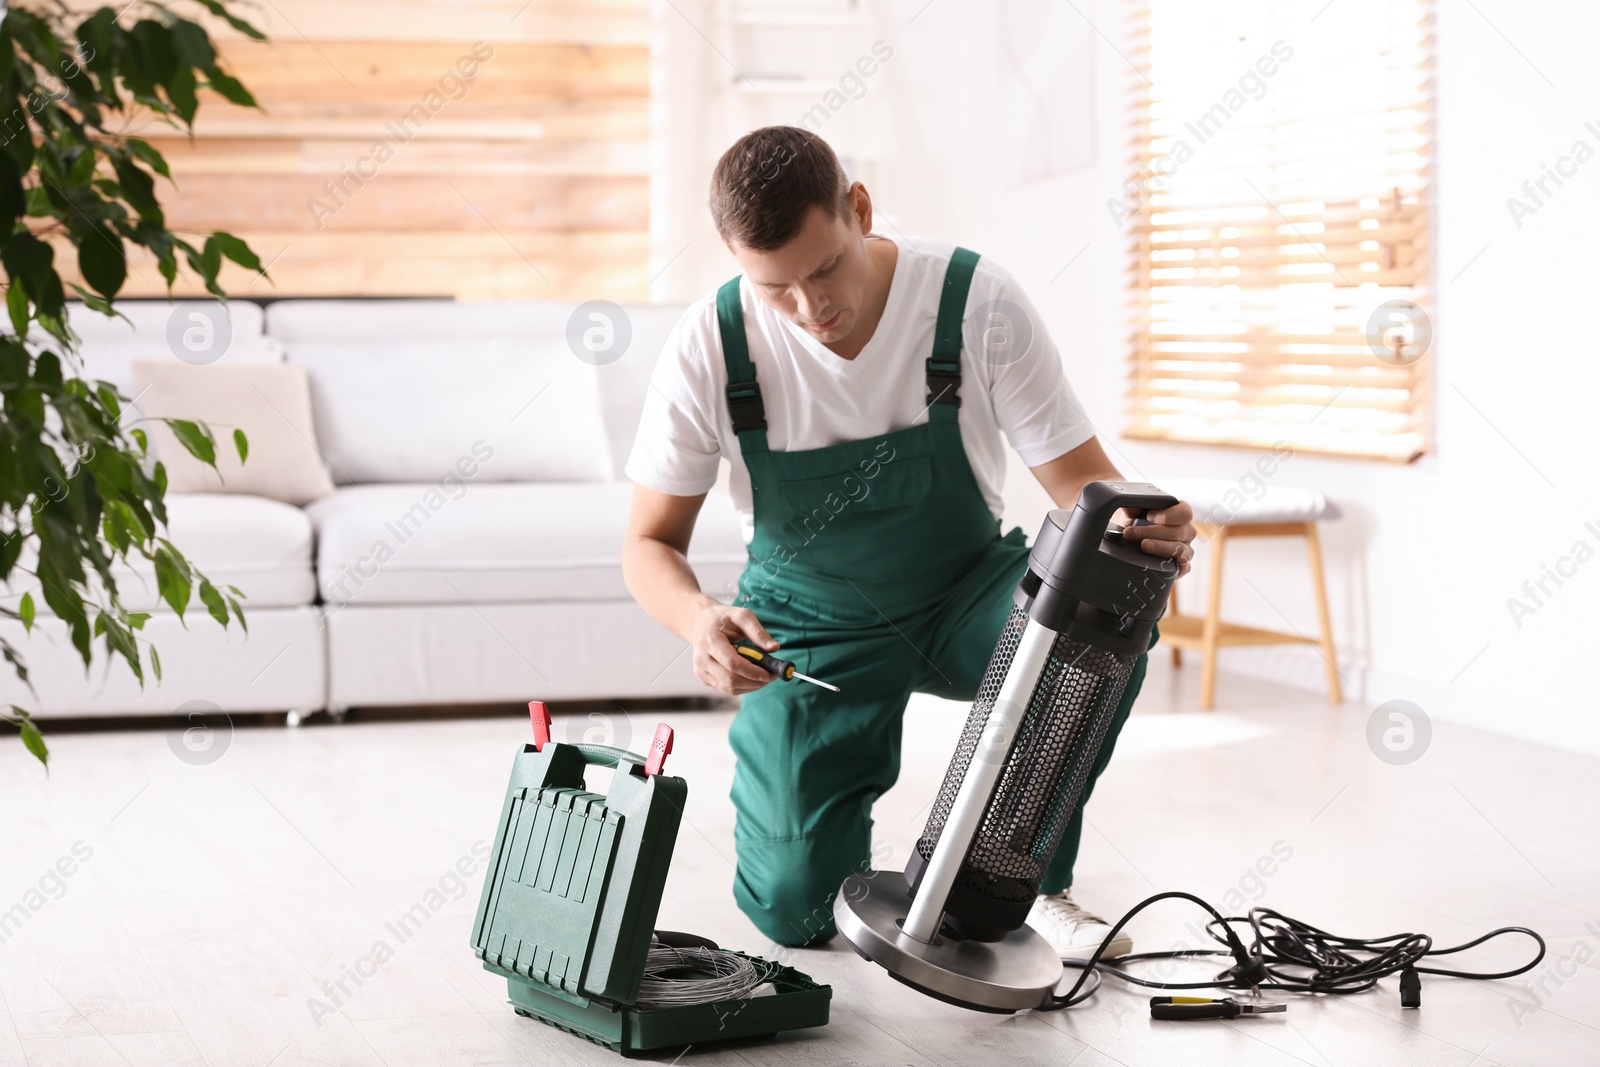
(1044, 771)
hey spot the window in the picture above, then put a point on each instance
(1279, 224)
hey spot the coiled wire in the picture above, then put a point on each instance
(683, 977)
(1292, 955)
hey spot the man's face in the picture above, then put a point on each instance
(818, 281)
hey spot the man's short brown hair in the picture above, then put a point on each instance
(766, 184)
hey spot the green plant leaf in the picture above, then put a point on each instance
(97, 32)
(151, 45)
(217, 9)
(140, 439)
(172, 579)
(196, 438)
(109, 400)
(17, 307)
(103, 262)
(92, 300)
(13, 197)
(194, 47)
(25, 612)
(147, 154)
(11, 551)
(155, 663)
(11, 657)
(224, 84)
(27, 258)
(241, 444)
(119, 639)
(38, 203)
(33, 741)
(137, 188)
(229, 245)
(167, 263)
(82, 168)
(211, 259)
(215, 605)
(182, 91)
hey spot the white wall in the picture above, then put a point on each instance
(1422, 564)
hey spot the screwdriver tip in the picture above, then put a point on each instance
(815, 681)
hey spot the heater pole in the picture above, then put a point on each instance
(977, 785)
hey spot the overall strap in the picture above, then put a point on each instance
(944, 366)
(744, 395)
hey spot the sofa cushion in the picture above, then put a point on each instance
(399, 411)
(281, 663)
(624, 383)
(356, 322)
(269, 402)
(197, 332)
(447, 326)
(455, 542)
(260, 545)
(403, 389)
(148, 321)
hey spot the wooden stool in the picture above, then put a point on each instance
(1224, 512)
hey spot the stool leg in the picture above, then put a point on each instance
(1177, 653)
(1314, 549)
(1213, 624)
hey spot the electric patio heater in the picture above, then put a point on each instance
(954, 926)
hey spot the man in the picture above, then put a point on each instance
(847, 378)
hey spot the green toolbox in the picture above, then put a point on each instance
(569, 906)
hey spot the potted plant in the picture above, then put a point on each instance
(79, 493)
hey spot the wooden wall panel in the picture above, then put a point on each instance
(374, 169)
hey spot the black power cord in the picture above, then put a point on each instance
(1291, 955)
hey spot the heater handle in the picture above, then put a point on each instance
(1099, 501)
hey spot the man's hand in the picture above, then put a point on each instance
(715, 662)
(1065, 476)
(656, 567)
(1171, 536)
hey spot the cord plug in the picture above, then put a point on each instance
(1410, 988)
(1250, 970)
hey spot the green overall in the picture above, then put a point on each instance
(880, 568)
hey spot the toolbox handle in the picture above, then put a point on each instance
(602, 755)
(607, 755)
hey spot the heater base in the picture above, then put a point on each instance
(1015, 974)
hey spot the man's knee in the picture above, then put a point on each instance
(788, 892)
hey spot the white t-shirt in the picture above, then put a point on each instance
(1011, 381)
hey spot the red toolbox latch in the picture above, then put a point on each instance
(660, 745)
(540, 715)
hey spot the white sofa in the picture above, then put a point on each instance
(470, 552)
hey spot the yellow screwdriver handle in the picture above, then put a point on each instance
(765, 660)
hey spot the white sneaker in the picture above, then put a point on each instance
(1073, 932)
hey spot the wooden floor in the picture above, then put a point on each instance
(220, 905)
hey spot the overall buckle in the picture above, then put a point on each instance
(944, 379)
(745, 406)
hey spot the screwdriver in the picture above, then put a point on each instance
(1206, 1008)
(773, 665)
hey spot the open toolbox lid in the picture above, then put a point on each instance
(574, 880)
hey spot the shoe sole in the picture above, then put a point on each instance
(1121, 945)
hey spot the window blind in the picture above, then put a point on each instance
(1279, 217)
